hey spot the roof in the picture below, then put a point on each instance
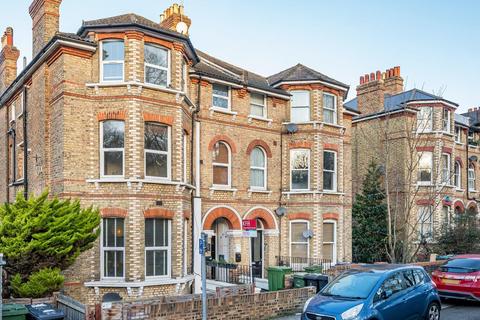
(461, 119)
(300, 72)
(73, 36)
(129, 18)
(397, 101)
(213, 67)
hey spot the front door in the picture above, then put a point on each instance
(222, 240)
(256, 246)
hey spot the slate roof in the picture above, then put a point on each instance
(300, 72)
(129, 18)
(397, 101)
(74, 37)
(213, 67)
(462, 119)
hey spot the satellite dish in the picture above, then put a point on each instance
(182, 27)
(281, 211)
(307, 234)
(292, 128)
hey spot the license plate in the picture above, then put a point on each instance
(450, 281)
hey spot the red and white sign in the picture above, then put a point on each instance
(249, 224)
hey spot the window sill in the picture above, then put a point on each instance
(16, 183)
(472, 191)
(314, 123)
(459, 190)
(141, 181)
(259, 191)
(121, 283)
(459, 143)
(225, 111)
(425, 184)
(313, 192)
(252, 117)
(220, 188)
(132, 83)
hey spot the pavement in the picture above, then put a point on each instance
(451, 310)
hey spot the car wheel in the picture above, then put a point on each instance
(433, 311)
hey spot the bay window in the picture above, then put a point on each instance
(157, 247)
(299, 245)
(221, 96)
(300, 110)
(157, 70)
(445, 165)
(458, 175)
(112, 153)
(222, 164)
(425, 164)
(329, 171)
(424, 119)
(329, 108)
(157, 150)
(113, 247)
(112, 60)
(300, 169)
(471, 177)
(258, 105)
(258, 169)
(425, 223)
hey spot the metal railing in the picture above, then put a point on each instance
(298, 264)
(229, 273)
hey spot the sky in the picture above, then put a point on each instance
(436, 43)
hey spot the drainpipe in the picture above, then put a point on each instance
(7, 191)
(12, 133)
(25, 144)
(280, 196)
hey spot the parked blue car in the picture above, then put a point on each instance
(376, 292)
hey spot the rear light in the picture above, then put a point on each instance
(434, 284)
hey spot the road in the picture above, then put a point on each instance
(450, 311)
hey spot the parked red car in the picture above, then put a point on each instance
(459, 278)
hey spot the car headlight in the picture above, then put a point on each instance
(352, 312)
(306, 304)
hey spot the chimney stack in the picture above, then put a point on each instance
(8, 60)
(373, 88)
(45, 22)
(174, 18)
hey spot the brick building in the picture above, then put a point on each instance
(429, 153)
(167, 141)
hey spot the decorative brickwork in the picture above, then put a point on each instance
(113, 213)
(160, 213)
(228, 214)
(222, 137)
(259, 143)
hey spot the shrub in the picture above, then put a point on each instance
(39, 284)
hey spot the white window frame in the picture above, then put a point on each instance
(264, 169)
(168, 153)
(102, 63)
(167, 248)
(458, 134)
(420, 182)
(471, 137)
(471, 178)
(421, 120)
(292, 152)
(309, 106)
(445, 179)
(290, 237)
(154, 66)
(13, 114)
(103, 249)
(229, 98)
(334, 171)
(334, 222)
(445, 219)
(228, 166)
(102, 152)
(334, 110)
(458, 175)
(421, 222)
(446, 126)
(184, 156)
(264, 106)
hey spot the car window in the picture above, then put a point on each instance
(419, 276)
(409, 278)
(461, 265)
(392, 285)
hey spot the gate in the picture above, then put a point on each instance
(73, 309)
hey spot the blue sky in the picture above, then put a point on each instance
(436, 43)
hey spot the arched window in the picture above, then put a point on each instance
(258, 169)
(222, 164)
(471, 177)
(458, 175)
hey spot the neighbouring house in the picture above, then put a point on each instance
(168, 141)
(428, 152)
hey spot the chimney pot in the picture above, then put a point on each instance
(362, 80)
(379, 75)
(372, 76)
(367, 78)
(396, 71)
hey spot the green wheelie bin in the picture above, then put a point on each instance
(276, 277)
(14, 311)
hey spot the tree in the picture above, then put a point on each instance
(41, 233)
(369, 226)
(461, 236)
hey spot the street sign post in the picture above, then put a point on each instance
(202, 242)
